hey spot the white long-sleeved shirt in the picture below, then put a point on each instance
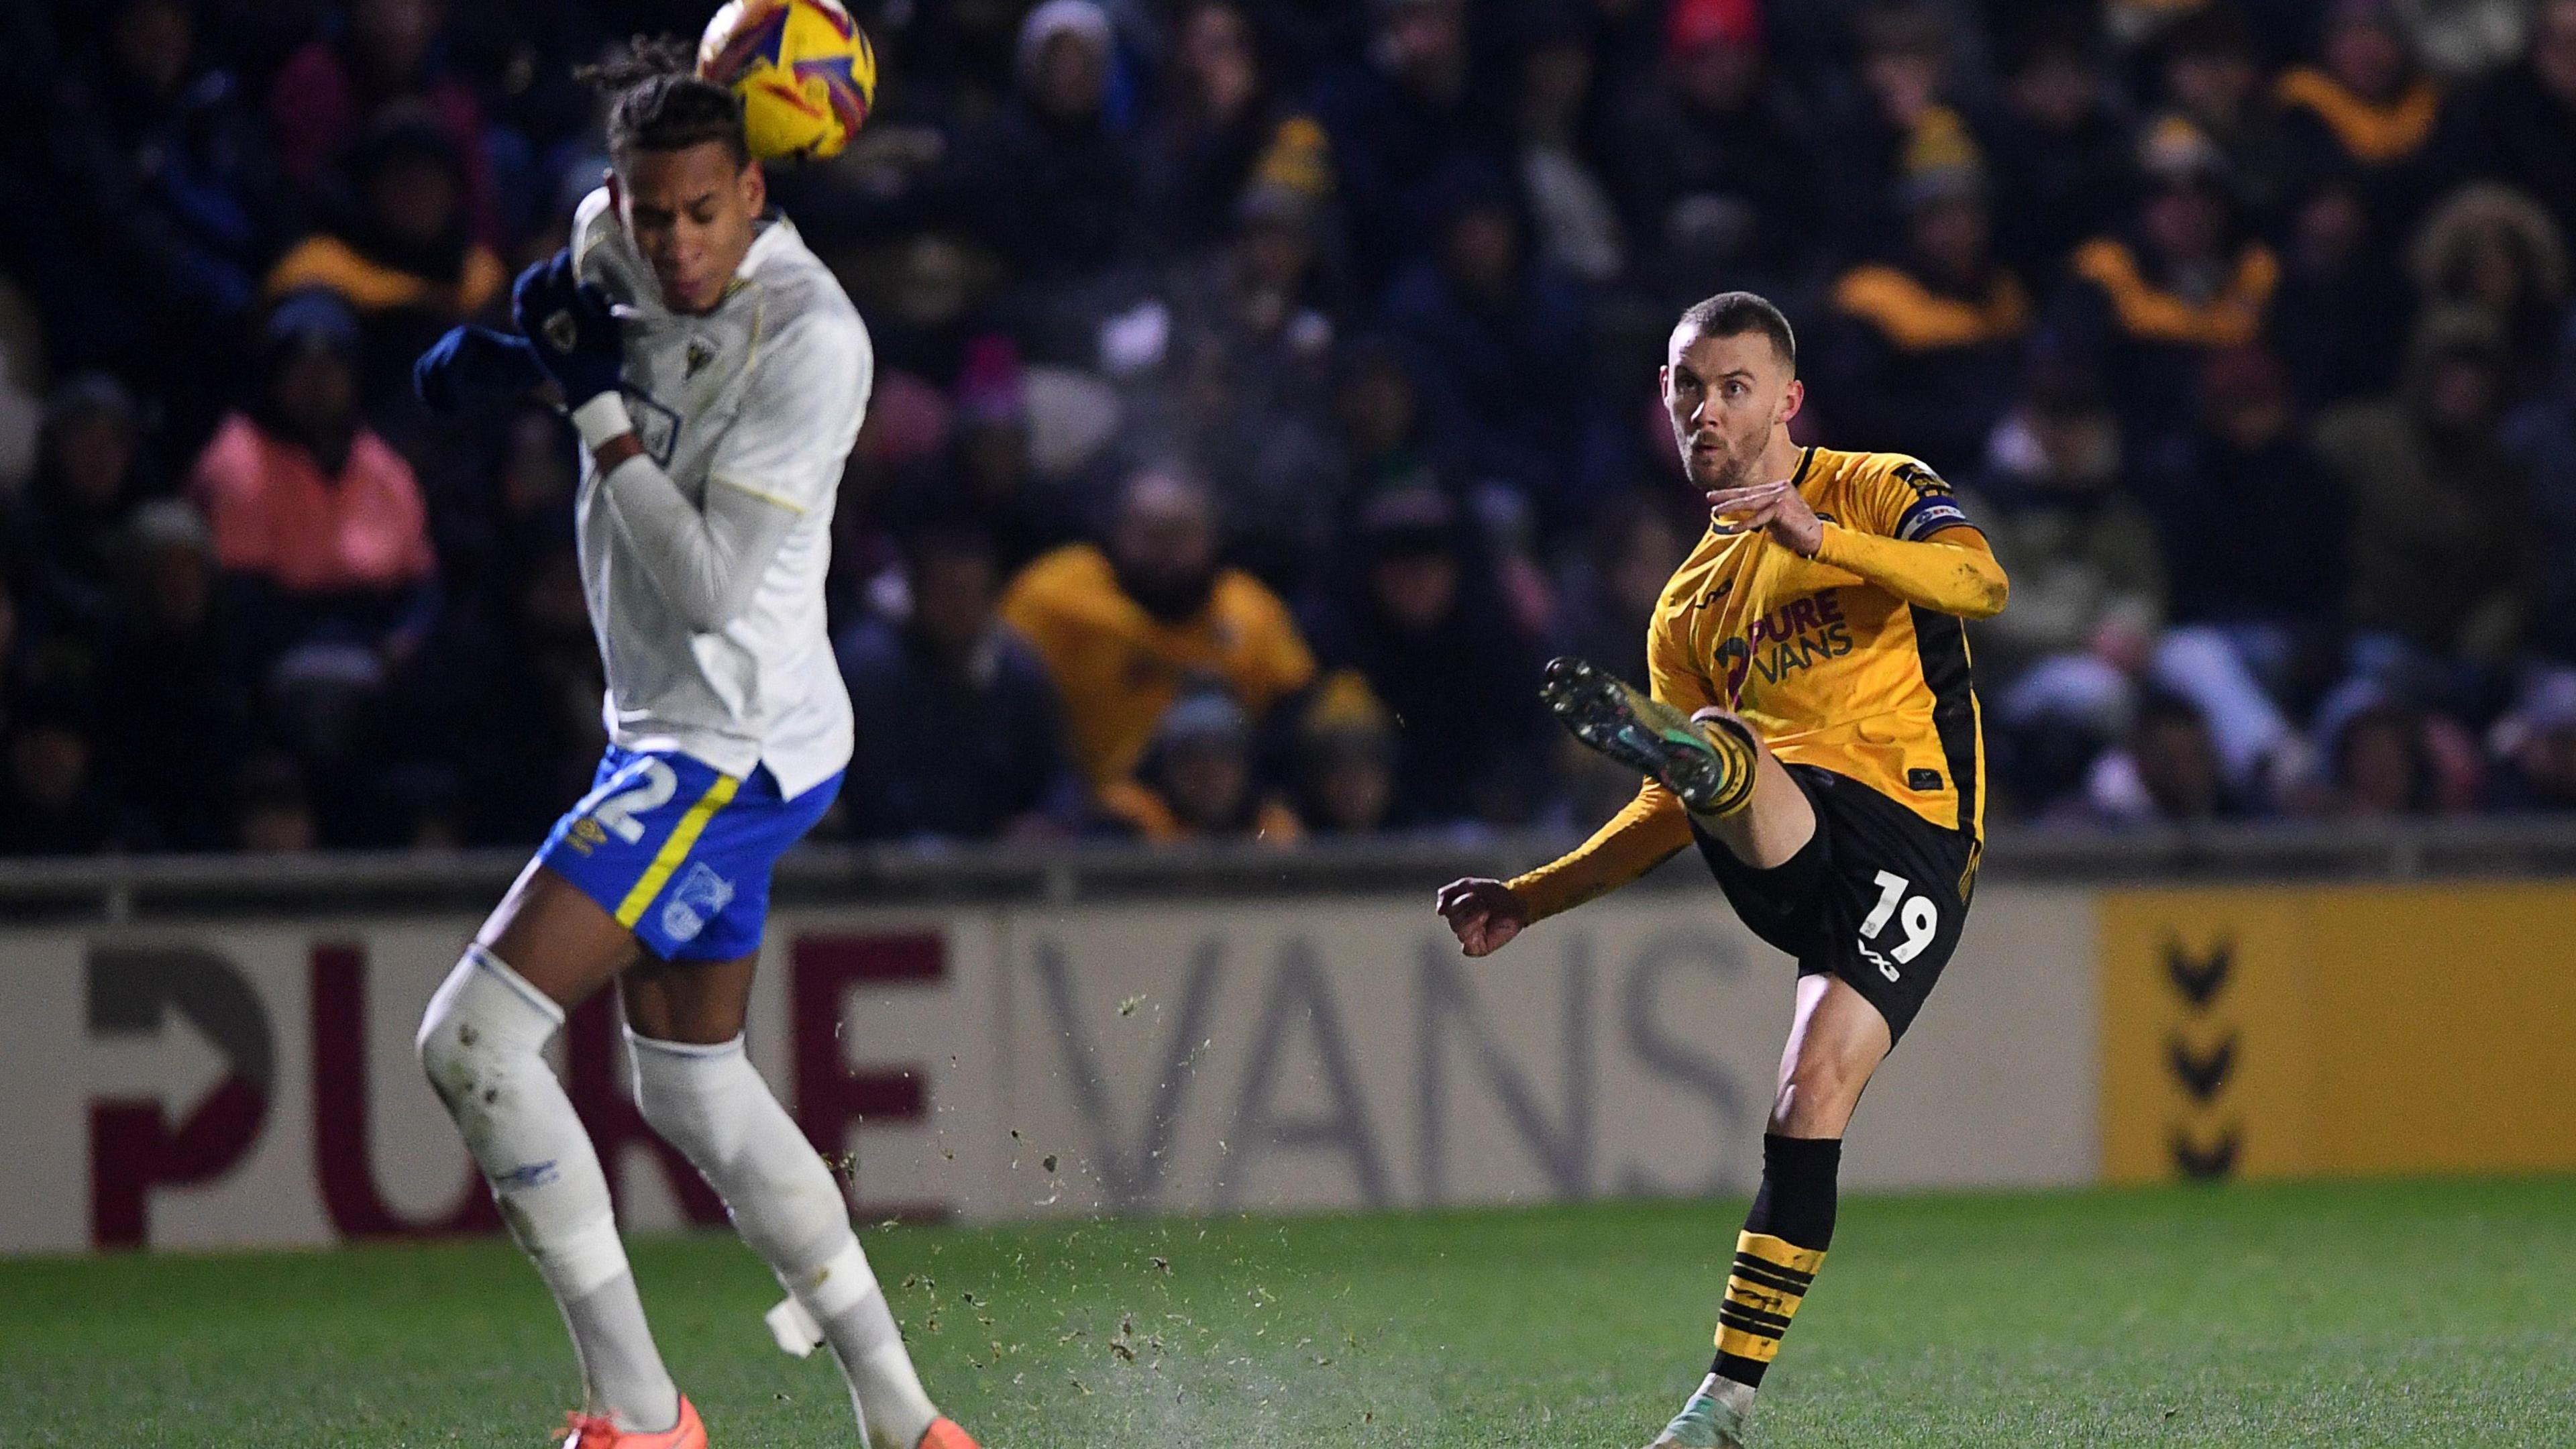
(703, 561)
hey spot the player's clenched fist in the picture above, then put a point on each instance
(570, 327)
(1484, 914)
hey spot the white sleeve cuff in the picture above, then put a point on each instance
(602, 418)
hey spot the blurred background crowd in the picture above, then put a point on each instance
(1266, 387)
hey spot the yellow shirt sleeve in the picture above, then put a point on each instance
(1649, 830)
(1909, 536)
(1279, 663)
(1056, 605)
(1953, 571)
(1024, 606)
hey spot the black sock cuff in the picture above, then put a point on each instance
(1801, 1154)
(1745, 1371)
(1796, 1203)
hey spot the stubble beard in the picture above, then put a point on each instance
(1730, 470)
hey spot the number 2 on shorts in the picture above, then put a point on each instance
(618, 811)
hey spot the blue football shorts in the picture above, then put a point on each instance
(680, 852)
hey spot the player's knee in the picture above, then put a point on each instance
(1720, 714)
(483, 1025)
(697, 1097)
(710, 1103)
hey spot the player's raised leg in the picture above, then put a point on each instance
(684, 1022)
(1710, 764)
(1724, 776)
(482, 1042)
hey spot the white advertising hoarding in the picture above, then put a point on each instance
(253, 1084)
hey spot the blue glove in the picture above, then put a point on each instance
(570, 329)
(474, 365)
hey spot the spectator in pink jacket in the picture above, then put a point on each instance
(319, 526)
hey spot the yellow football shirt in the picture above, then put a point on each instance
(1830, 669)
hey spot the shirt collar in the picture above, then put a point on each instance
(776, 232)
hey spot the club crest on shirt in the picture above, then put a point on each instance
(700, 353)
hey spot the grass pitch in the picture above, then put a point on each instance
(2416, 1313)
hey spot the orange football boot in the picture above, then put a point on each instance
(944, 1434)
(598, 1431)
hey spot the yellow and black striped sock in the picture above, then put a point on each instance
(1778, 1253)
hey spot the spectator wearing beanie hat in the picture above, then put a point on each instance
(1928, 342)
(1345, 757)
(2364, 113)
(1196, 781)
(1716, 132)
(57, 536)
(2184, 278)
(1047, 183)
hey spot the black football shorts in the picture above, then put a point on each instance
(1876, 896)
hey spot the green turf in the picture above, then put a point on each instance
(2419, 1313)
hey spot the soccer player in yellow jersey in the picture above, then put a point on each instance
(1813, 728)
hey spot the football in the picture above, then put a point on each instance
(804, 70)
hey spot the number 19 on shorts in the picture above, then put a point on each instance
(1918, 916)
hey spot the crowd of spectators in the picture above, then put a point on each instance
(1265, 388)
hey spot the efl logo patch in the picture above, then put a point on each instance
(656, 427)
(1923, 779)
(1929, 515)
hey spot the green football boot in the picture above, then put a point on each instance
(1709, 764)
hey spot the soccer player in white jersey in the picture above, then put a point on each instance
(717, 375)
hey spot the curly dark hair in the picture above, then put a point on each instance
(658, 102)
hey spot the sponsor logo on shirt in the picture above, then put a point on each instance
(1790, 638)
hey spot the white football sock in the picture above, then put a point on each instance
(620, 1367)
(482, 1042)
(844, 1298)
(709, 1102)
